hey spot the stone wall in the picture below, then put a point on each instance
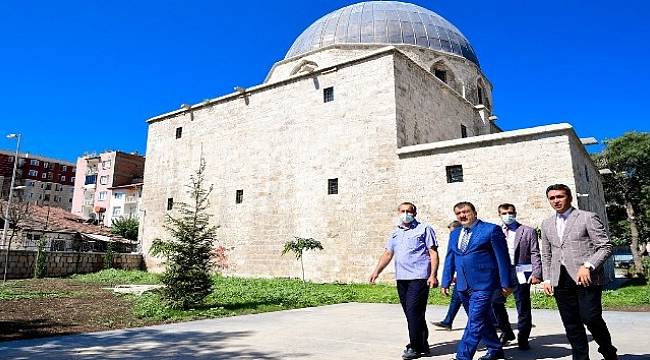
(280, 145)
(427, 109)
(21, 263)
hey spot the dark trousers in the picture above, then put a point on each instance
(454, 306)
(414, 295)
(580, 306)
(521, 292)
(479, 326)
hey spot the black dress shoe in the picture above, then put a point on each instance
(523, 345)
(441, 324)
(493, 356)
(506, 337)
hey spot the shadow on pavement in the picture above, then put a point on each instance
(16, 329)
(147, 343)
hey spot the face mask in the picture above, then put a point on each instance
(406, 217)
(508, 218)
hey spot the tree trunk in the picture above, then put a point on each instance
(634, 245)
(302, 267)
(4, 275)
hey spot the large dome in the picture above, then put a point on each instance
(384, 22)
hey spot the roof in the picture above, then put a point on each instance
(384, 23)
(59, 220)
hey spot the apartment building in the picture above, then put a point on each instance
(40, 180)
(108, 186)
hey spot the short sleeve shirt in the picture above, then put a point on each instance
(410, 247)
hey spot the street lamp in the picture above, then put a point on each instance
(11, 188)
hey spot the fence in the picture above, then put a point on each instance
(21, 263)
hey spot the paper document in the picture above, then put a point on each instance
(524, 272)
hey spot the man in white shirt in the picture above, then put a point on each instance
(523, 249)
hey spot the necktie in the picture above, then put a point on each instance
(464, 240)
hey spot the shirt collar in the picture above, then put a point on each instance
(565, 215)
(412, 225)
(472, 226)
(512, 227)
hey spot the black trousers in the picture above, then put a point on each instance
(414, 295)
(521, 292)
(580, 306)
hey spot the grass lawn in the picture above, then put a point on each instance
(41, 307)
(235, 296)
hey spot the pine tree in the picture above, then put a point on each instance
(187, 254)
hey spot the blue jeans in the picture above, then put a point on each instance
(454, 306)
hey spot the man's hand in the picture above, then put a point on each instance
(548, 289)
(506, 291)
(534, 280)
(432, 282)
(373, 277)
(444, 291)
(584, 276)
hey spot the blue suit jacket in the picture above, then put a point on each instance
(484, 265)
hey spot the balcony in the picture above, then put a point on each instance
(90, 182)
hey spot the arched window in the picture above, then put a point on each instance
(442, 72)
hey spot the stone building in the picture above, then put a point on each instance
(374, 104)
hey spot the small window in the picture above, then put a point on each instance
(46, 164)
(33, 173)
(102, 195)
(72, 179)
(118, 195)
(328, 94)
(103, 180)
(179, 132)
(480, 95)
(586, 173)
(50, 176)
(106, 164)
(46, 197)
(440, 74)
(48, 186)
(64, 168)
(463, 131)
(10, 159)
(62, 178)
(170, 203)
(44, 176)
(34, 162)
(454, 173)
(332, 186)
(117, 211)
(239, 196)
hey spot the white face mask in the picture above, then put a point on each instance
(508, 218)
(406, 217)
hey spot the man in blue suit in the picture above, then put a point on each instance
(478, 254)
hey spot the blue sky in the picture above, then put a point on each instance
(83, 76)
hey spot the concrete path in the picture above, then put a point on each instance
(345, 331)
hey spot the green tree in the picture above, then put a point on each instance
(108, 256)
(125, 227)
(627, 190)
(187, 254)
(298, 246)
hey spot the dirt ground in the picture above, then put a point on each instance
(72, 307)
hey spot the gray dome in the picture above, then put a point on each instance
(384, 22)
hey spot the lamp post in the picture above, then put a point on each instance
(11, 187)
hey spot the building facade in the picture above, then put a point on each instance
(39, 180)
(375, 103)
(106, 178)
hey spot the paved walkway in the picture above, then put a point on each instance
(344, 331)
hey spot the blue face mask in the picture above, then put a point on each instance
(508, 219)
(406, 217)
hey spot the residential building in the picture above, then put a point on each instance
(98, 177)
(39, 180)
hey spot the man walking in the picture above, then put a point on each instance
(455, 302)
(478, 254)
(575, 246)
(415, 249)
(525, 259)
